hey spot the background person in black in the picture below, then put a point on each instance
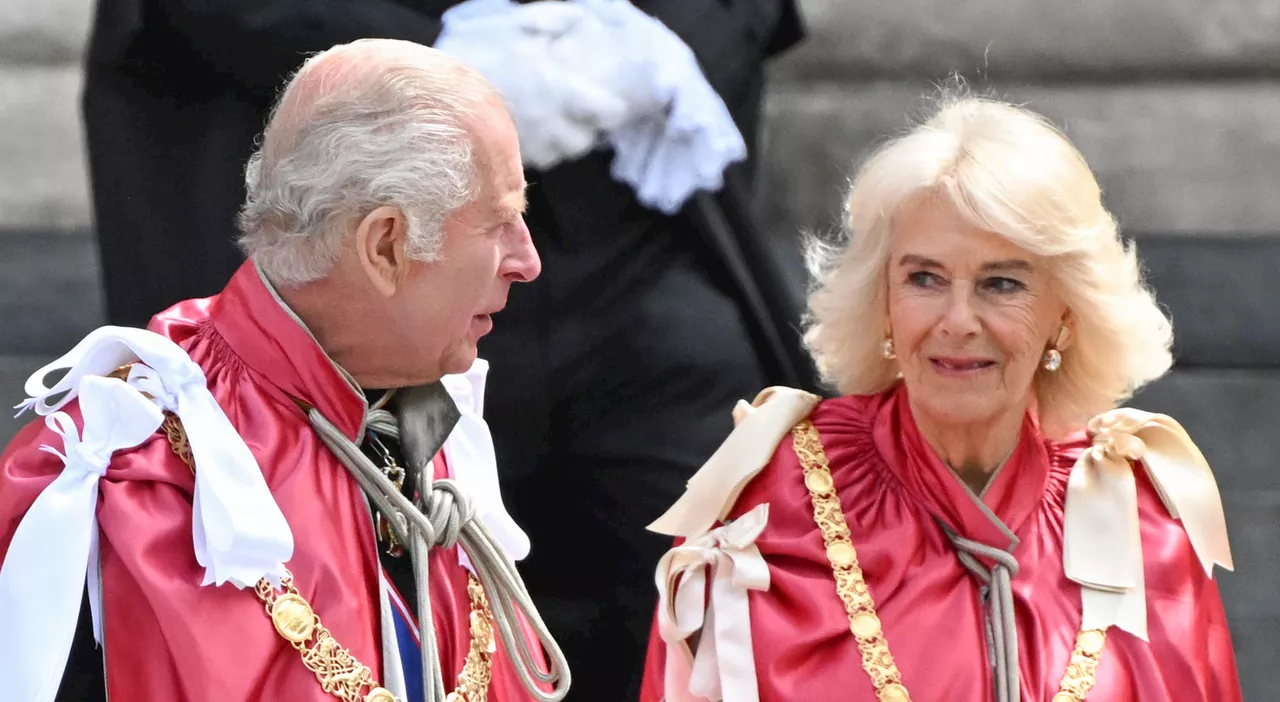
(612, 375)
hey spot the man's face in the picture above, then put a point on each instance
(448, 303)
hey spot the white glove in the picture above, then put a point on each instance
(683, 141)
(559, 112)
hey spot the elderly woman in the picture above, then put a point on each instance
(973, 519)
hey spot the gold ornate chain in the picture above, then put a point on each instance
(852, 589)
(477, 671)
(338, 672)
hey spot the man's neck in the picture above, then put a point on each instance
(350, 331)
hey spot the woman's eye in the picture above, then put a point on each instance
(924, 279)
(1003, 285)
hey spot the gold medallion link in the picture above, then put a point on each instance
(851, 586)
(1083, 666)
(338, 672)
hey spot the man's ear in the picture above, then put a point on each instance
(380, 247)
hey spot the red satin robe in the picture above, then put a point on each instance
(894, 491)
(166, 636)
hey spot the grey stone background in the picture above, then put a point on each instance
(1176, 104)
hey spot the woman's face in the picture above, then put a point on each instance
(970, 314)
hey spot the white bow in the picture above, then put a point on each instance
(472, 463)
(44, 571)
(238, 532)
(1102, 543)
(724, 666)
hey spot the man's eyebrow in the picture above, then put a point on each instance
(509, 211)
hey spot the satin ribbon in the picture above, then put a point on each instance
(1102, 544)
(712, 491)
(470, 456)
(44, 572)
(724, 666)
(238, 532)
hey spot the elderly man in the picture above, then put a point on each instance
(254, 486)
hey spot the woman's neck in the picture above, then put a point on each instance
(972, 451)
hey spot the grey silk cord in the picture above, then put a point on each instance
(999, 610)
(446, 519)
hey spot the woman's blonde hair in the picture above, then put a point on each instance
(1009, 171)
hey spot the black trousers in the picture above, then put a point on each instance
(600, 412)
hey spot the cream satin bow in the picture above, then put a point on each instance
(1102, 544)
(713, 490)
(724, 666)
(56, 542)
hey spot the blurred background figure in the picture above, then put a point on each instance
(1173, 104)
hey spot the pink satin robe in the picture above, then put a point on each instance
(894, 492)
(166, 636)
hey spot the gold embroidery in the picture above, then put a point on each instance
(852, 589)
(338, 672)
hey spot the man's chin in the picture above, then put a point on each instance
(459, 361)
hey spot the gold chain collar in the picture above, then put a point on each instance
(337, 671)
(852, 589)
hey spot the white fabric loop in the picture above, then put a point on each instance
(238, 532)
(44, 571)
(724, 665)
(472, 462)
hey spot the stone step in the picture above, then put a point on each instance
(43, 31)
(1187, 157)
(1257, 648)
(1103, 40)
(1248, 594)
(1220, 292)
(1231, 415)
(1199, 158)
(43, 174)
(50, 291)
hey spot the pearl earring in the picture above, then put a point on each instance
(1052, 360)
(887, 350)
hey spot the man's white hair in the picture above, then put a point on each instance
(363, 125)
